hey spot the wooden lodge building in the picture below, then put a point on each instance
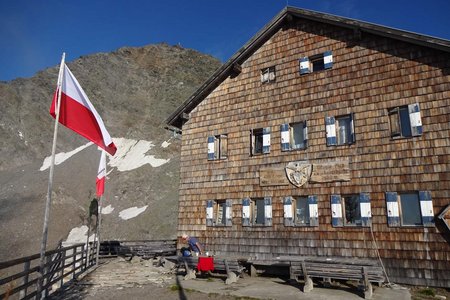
(319, 136)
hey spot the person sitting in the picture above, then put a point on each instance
(194, 245)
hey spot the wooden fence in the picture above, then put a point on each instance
(20, 278)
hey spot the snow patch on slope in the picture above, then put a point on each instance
(107, 210)
(132, 154)
(78, 235)
(131, 212)
(61, 157)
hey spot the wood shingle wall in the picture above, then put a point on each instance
(370, 75)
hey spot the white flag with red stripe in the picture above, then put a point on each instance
(77, 113)
(101, 175)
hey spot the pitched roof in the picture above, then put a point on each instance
(177, 118)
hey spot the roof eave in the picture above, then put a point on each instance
(176, 118)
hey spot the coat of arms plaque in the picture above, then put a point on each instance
(298, 172)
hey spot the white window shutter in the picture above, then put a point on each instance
(304, 65)
(228, 212)
(246, 212)
(288, 211)
(266, 140)
(426, 208)
(336, 211)
(313, 211)
(268, 211)
(211, 147)
(285, 139)
(393, 213)
(330, 123)
(415, 119)
(352, 129)
(305, 134)
(328, 60)
(210, 213)
(366, 212)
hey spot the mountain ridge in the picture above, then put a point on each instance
(134, 89)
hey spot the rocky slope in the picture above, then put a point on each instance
(134, 90)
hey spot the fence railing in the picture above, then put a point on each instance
(19, 278)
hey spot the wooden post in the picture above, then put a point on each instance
(63, 259)
(74, 258)
(26, 268)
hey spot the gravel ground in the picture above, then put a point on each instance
(146, 279)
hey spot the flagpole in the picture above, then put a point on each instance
(50, 180)
(99, 218)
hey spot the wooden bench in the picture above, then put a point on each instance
(229, 266)
(364, 273)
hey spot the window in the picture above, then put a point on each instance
(260, 141)
(217, 147)
(405, 121)
(294, 136)
(268, 75)
(409, 209)
(351, 210)
(316, 63)
(218, 213)
(340, 130)
(301, 211)
(257, 211)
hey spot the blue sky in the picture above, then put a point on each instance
(34, 33)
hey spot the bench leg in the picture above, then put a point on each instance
(308, 282)
(253, 272)
(231, 278)
(308, 285)
(368, 292)
(367, 286)
(190, 273)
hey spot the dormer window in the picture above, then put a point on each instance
(268, 75)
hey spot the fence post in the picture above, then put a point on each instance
(26, 268)
(74, 258)
(45, 280)
(63, 264)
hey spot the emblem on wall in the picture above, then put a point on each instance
(298, 172)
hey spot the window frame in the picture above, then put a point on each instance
(260, 136)
(394, 210)
(218, 147)
(348, 130)
(265, 204)
(338, 210)
(287, 132)
(271, 75)
(345, 222)
(216, 206)
(307, 63)
(333, 132)
(295, 214)
(403, 127)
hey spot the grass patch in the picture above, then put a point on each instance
(174, 287)
(427, 292)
